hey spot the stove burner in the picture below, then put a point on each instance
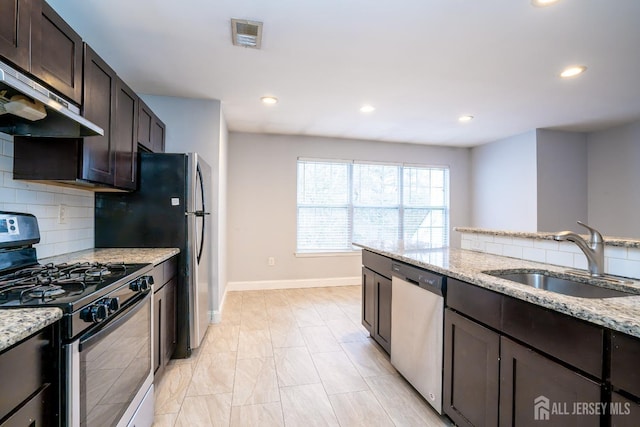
(97, 271)
(49, 281)
(46, 291)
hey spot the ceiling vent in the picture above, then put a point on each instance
(246, 33)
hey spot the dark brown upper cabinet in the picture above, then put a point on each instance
(99, 106)
(37, 40)
(125, 136)
(151, 130)
(56, 52)
(103, 163)
(15, 31)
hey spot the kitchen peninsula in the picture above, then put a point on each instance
(507, 344)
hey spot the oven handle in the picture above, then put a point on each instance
(93, 337)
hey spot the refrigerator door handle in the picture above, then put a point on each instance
(198, 213)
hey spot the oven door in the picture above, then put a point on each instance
(109, 369)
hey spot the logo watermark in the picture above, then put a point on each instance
(544, 408)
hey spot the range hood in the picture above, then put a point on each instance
(29, 109)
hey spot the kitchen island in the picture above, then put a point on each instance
(619, 314)
(511, 352)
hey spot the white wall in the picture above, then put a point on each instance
(43, 201)
(222, 211)
(196, 125)
(614, 180)
(262, 200)
(562, 180)
(504, 184)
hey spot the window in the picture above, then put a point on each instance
(342, 202)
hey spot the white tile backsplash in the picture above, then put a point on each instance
(618, 260)
(43, 201)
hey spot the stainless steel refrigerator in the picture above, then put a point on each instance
(171, 208)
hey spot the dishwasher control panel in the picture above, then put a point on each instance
(423, 278)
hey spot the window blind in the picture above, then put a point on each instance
(339, 202)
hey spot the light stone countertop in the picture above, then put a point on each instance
(625, 242)
(620, 314)
(19, 323)
(127, 255)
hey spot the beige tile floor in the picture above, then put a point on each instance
(296, 357)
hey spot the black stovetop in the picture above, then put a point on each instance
(68, 286)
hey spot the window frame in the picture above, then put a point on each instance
(445, 208)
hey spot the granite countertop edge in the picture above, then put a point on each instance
(624, 242)
(17, 324)
(127, 255)
(618, 314)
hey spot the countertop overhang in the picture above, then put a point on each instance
(620, 314)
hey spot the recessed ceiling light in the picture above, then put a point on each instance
(573, 71)
(269, 100)
(465, 118)
(367, 108)
(543, 3)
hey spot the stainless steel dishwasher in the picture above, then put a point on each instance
(417, 315)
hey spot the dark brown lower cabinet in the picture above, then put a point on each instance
(625, 379)
(376, 307)
(164, 326)
(368, 298)
(30, 372)
(472, 354)
(624, 412)
(535, 390)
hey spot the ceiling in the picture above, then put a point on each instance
(420, 63)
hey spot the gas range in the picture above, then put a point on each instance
(87, 293)
(105, 328)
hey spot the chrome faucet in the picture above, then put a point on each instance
(593, 249)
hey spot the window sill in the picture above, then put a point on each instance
(355, 252)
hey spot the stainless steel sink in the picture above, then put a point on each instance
(561, 285)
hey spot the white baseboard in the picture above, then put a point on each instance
(259, 285)
(215, 316)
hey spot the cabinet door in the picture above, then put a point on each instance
(625, 354)
(99, 106)
(382, 323)
(535, 390)
(157, 135)
(145, 125)
(35, 412)
(624, 412)
(15, 24)
(368, 298)
(158, 327)
(471, 364)
(125, 135)
(170, 317)
(56, 52)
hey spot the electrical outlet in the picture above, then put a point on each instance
(62, 214)
(271, 261)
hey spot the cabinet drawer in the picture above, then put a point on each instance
(170, 267)
(378, 263)
(481, 304)
(625, 355)
(22, 369)
(571, 340)
(158, 277)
